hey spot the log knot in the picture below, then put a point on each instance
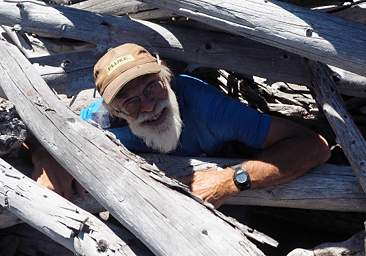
(102, 245)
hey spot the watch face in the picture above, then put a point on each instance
(241, 177)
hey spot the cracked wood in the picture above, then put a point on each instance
(166, 221)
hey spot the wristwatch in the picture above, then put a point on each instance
(241, 178)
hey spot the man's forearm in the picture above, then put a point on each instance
(287, 160)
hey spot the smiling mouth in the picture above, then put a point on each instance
(157, 118)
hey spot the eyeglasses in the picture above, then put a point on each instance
(132, 106)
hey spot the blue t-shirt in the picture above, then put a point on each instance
(210, 119)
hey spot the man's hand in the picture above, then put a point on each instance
(49, 173)
(212, 185)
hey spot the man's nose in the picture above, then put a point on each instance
(147, 105)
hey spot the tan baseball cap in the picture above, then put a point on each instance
(121, 65)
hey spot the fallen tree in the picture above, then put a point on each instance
(71, 72)
(347, 133)
(354, 246)
(79, 231)
(87, 203)
(327, 187)
(167, 222)
(134, 9)
(317, 36)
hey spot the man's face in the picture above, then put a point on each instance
(150, 107)
(139, 96)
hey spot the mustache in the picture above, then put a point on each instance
(159, 107)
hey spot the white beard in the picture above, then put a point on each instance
(163, 137)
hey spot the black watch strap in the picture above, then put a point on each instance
(241, 178)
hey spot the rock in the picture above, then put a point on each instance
(13, 131)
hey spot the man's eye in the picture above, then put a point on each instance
(151, 88)
(132, 102)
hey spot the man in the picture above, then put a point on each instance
(183, 115)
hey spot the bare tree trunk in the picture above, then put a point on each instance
(317, 36)
(353, 246)
(165, 220)
(347, 133)
(62, 221)
(326, 187)
(70, 72)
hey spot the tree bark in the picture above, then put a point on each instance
(317, 36)
(327, 187)
(65, 223)
(353, 246)
(347, 133)
(87, 203)
(132, 8)
(134, 192)
(73, 71)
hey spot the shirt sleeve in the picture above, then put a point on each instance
(228, 119)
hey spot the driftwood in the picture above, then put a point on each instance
(355, 13)
(347, 133)
(113, 7)
(88, 203)
(71, 72)
(12, 130)
(134, 9)
(24, 240)
(168, 222)
(353, 246)
(299, 30)
(327, 187)
(65, 223)
(7, 219)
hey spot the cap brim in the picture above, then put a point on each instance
(120, 81)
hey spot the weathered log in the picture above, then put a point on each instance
(113, 7)
(210, 49)
(19, 40)
(355, 12)
(12, 130)
(7, 219)
(317, 36)
(88, 203)
(327, 187)
(65, 223)
(26, 240)
(347, 133)
(132, 8)
(349, 83)
(353, 246)
(165, 220)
